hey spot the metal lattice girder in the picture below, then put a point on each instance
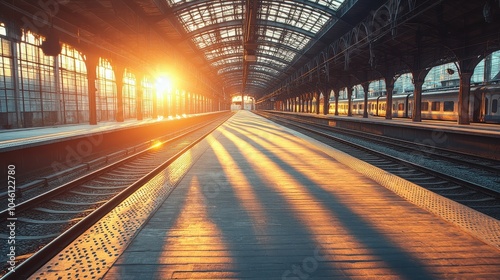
(224, 43)
(271, 34)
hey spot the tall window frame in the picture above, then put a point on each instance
(8, 100)
(37, 83)
(73, 86)
(129, 93)
(106, 103)
(147, 98)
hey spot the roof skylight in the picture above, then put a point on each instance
(284, 28)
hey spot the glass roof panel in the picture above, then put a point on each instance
(265, 68)
(217, 36)
(223, 37)
(294, 14)
(229, 60)
(230, 68)
(331, 4)
(283, 29)
(173, 2)
(262, 76)
(274, 62)
(287, 43)
(200, 16)
(224, 51)
(259, 79)
(284, 36)
(278, 52)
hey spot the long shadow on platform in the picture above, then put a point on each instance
(396, 258)
(230, 233)
(234, 222)
(262, 236)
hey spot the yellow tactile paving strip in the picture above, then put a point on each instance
(263, 203)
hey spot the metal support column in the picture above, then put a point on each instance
(349, 101)
(326, 100)
(336, 93)
(139, 96)
(91, 62)
(119, 72)
(464, 98)
(418, 81)
(389, 86)
(366, 87)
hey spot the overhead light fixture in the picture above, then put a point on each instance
(250, 57)
(51, 46)
(488, 12)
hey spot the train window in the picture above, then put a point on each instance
(394, 107)
(448, 106)
(355, 106)
(425, 106)
(435, 106)
(361, 106)
(494, 106)
(401, 106)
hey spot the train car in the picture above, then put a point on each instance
(321, 104)
(489, 108)
(437, 104)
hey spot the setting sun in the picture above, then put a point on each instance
(163, 84)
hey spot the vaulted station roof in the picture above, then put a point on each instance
(249, 44)
(266, 47)
(238, 45)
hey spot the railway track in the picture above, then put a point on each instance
(411, 162)
(47, 222)
(478, 163)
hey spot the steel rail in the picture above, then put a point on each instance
(38, 259)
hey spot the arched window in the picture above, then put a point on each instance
(73, 86)
(8, 112)
(147, 98)
(106, 92)
(129, 96)
(40, 103)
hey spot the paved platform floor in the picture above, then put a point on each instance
(263, 202)
(22, 136)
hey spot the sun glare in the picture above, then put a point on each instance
(156, 144)
(163, 84)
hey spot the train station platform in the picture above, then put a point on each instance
(480, 139)
(255, 200)
(26, 137)
(47, 153)
(490, 129)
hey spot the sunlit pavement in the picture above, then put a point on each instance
(262, 203)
